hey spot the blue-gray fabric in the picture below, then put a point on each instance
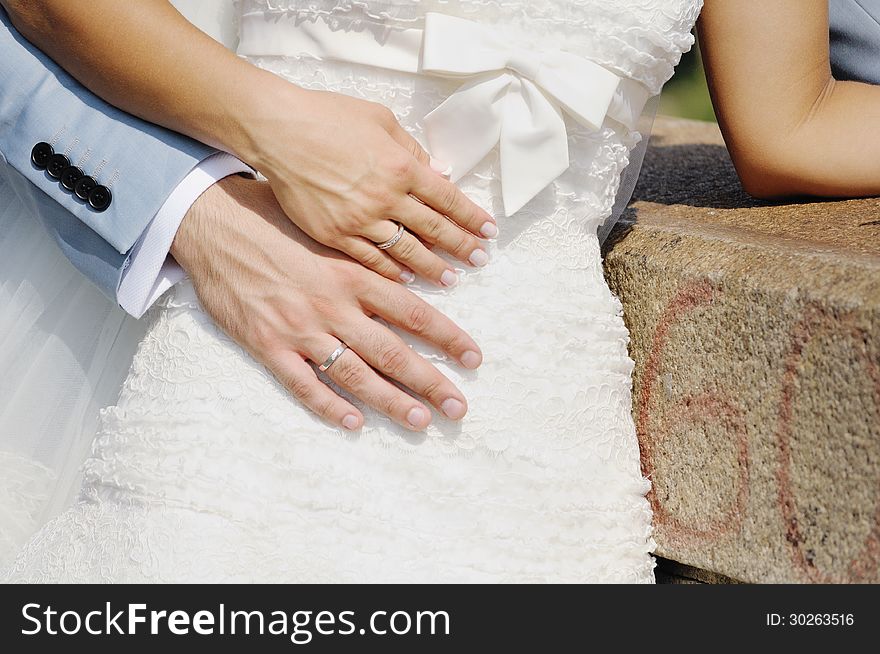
(855, 40)
(141, 162)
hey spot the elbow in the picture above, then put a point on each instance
(772, 171)
(763, 181)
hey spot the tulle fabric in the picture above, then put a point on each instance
(64, 351)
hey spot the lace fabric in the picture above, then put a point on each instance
(640, 39)
(205, 469)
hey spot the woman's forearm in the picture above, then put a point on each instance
(343, 169)
(147, 59)
(790, 127)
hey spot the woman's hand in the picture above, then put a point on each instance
(343, 169)
(289, 300)
(347, 173)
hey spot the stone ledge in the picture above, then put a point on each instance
(756, 336)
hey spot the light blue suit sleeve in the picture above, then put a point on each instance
(139, 162)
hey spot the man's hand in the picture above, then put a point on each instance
(289, 300)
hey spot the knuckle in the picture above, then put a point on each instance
(433, 389)
(406, 248)
(300, 388)
(393, 405)
(453, 342)
(263, 337)
(433, 228)
(400, 168)
(417, 151)
(329, 229)
(325, 309)
(386, 201)
(373, 259)
(352, 376)
(448, 197)
(418, 318)
(384, 115)
(325, 406)
(464, 245)
(393, 360)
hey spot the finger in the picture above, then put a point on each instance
(350, 372)
(386, 352)
(447, 199)
(411, 145)
(377, 260)
(441, 231)
(413, 254)
(404, 309)
(298, 377)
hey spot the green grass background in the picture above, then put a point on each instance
(686, 95)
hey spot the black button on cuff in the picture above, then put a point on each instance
(41, 154)
(57, 165)
(84, 187)
(70, 177)
(100, 198)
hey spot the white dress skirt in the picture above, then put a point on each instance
(205, 469)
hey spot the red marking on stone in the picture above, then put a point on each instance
(865, 566)
(694, 408)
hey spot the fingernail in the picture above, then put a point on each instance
(453, 409)
(441, 167)
(471, 360)
(448, 278)
(417, 418)
(350, 422)
(479, 258)
(407, 277)
(489, 230)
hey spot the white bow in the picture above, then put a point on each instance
(515, 98)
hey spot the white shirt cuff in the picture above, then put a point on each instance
(151, 270)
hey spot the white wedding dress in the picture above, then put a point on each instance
(205, 469)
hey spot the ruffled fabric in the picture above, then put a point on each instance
(205, 469)
(641, 39)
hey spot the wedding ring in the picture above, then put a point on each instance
(332, 358)
(391, 242)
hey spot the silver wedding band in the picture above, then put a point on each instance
(391, 242)
(332, 358)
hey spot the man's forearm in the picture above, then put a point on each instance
(148, 60)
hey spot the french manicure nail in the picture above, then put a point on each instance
(471, 360)
(407, 277)
(416, 418)
(479, 258)
(448, 278)
(350, 422)
(489, 230)
(453, 409)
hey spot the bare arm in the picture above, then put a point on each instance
(791, 128)
(132, 59)
(343, 169)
